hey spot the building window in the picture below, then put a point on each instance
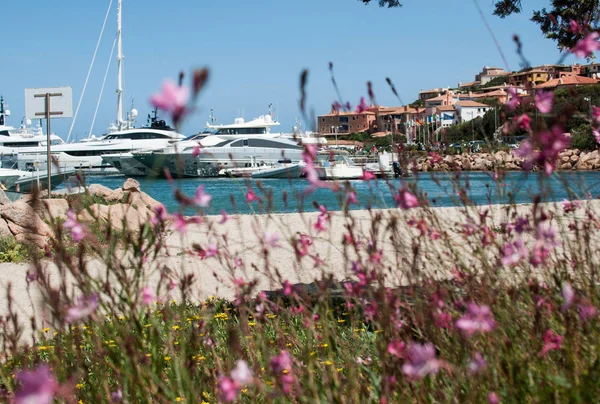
(323, 120)
(343, 119)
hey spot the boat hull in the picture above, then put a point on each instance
(288, 171)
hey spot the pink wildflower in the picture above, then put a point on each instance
(442, 319)
(587, 312)
(396, 348)
(282, 367)
(78, 232)
(172, 99)
(362, 106)
(513, 253)
(570, 206)
(180, 223)
(224, 217)
(271, 240)
(544, 100)
(321, 223)
(513, 100)
(148, 296)
(251, 196)
(36, 386)
(288, 288)
(477, 363)
(477, 319)
(552, 341)
(524, 122)
(242, 374)
(368, 175)
(596, 135)
(202, 199)
(228, 388)
(160, 215)
(351, 198)
(574, 27)
(421, 360)
(336, 106)
(211, 251)
(117, 395)
(568, 295)
(303, 242)
(493, 398)
(196, 151)
(596, 114)
(586, 46)
(406, 200)
(84, 308)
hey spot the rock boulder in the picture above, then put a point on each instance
(131, 185)
(24, 216)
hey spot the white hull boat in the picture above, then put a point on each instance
(281, 170)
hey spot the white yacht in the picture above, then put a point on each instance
(238, 145)
(14, 140)
(87, 156)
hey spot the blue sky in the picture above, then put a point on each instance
(255, 50)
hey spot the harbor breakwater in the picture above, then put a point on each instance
(571, 159)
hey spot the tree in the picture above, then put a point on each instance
(554, 24)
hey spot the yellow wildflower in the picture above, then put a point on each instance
(341, 320)
(271, 316)
(251, 323)
(175, 327)
(179, 399)
(167, 358)
(324, 345)
(46, 329)
(79, 386)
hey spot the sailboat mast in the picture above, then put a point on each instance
(120, 70)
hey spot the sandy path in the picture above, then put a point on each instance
(243, 240)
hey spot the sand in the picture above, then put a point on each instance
(241, 237)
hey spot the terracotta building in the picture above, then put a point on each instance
(346, 122)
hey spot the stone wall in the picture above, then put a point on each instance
(572, 159)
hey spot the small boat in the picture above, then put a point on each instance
(246, 171)
(283, 169)
(335, 165)
(9, 177)
(30, 180)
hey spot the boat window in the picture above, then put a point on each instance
(80, 153)
(266, 143)
(237, 143)
(137, 136)
(4, 133)
(245, 142)
(241, 131)
(21, 144)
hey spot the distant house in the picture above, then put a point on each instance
(469, 110)
(446, 114)
(436, 92)
(346, 122)
(591, 70)
(556, 71)
(567, 81)
(531, 77)
(490, 73)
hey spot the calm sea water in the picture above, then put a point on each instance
(440, 188)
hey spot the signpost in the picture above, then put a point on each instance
(37, 105)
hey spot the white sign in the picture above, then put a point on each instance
(61, 102)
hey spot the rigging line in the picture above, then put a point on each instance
(89, 71)
(491, 31)
(102, 89)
